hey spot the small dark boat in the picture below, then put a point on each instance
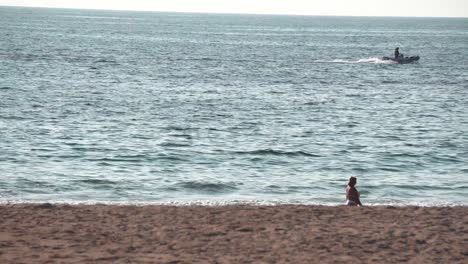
(402, 59)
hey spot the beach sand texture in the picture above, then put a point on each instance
(45, 233)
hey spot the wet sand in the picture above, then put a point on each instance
(44, 233)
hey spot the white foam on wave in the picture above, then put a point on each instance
(372, 60)
(232, 202)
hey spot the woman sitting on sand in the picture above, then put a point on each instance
(352, 194)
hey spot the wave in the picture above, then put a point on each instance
(372, 60)
(104, 60)
(207, 187)
(97, 182)
(95, 17)
(428, 187)
(135, 158)
(272, 152)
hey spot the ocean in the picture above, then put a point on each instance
(180, 108)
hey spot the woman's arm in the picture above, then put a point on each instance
(358, 200)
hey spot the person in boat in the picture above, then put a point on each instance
(352, 194)
(397, 53)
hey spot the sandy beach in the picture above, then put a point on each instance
(46, 233)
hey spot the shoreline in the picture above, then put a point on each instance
(100, 233)
(221, 203)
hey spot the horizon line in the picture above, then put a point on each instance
(225, 13)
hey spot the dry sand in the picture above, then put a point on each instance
(31, 233)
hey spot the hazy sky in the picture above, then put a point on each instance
(448, 8)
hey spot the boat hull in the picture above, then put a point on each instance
(403, 60)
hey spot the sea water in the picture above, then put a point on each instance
(113, 106)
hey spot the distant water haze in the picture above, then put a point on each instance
(117, 106)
